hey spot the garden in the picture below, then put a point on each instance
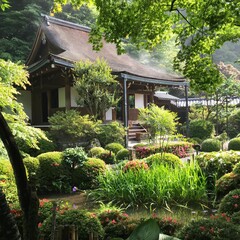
(160, 186)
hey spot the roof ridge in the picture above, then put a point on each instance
(49, 19)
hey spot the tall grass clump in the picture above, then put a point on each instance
(158, 185)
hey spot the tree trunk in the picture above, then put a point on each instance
(8, 226)
(28, 199)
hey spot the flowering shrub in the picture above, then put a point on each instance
(86, 223)
(230, 203)
(135, 165)
(167, 225)
(52, 175)
(215, 164)
(116, 223)
(180, 149)
(216, 228)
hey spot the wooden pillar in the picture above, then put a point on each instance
(187, 110)
(125, 110)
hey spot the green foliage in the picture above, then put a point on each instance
(85, 222)
(111, 132)
(234, 144)
(71, 126)
(52, 176)
(201, 129)
(156, 186)
(158, 121)
(86, 176)
(234, 124)
(213, 228)
(31, 164)
(93, 152)
(211, 145)
(123, 154)
(147, 230)
(7, 182)
(114, 147)
(74, 157)
(215, 164)
(227, 183)
(163, 158)
(230, 203)
(107, 156)
(95, 86)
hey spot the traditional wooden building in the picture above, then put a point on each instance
(57, 46)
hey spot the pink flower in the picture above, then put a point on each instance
(202, 228)
(39, 225)
(113, 221)
(235, 205)
(236, 196)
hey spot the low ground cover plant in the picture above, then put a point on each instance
(155, 186)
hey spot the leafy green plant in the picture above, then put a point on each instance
(159, 122)
(73, 157)
(52, 175)
(215, 164)
(85, 222)
(155, 186)
(114, 147)
(70, 126)
(123, 154)
(96, 87)
(93, 152)
(111, 132)
(234, 144)
(32, 165)
(211, 145)
(234, 126)
(202, 129)
(86, 176)
(230, 203)
(227, 183)
(107, 156)
(217, 228)
(163, 158)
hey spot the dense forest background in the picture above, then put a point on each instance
(19, 24)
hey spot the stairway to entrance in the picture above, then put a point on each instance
(136, 131)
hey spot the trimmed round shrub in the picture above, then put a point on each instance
(107, 156)
(93, 152)
(123, 154)
(85, 222)
(52, 176)
(163, 158)
(114, 147)
(73, 157)
(111, 132)
(210, 229)
(211, 145)
(227, 183)
(32, 164)
(234, 124)
(135, 165)
(236, 218)
(86, 177)
(215, 164)
(230, 203)
(201, 129)
(234, 144)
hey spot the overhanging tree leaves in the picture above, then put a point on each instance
(201, 28)
(96, 87)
